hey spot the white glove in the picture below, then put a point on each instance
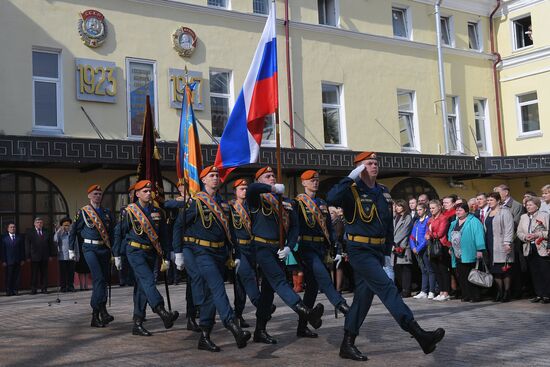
(179, 261)
(72, 255)
(387, 262)
(237, 264)
(356, 171)
(172, 256)
(279, 188)
(167, 264)
(118, 263)
(338, 259)
(283, 254)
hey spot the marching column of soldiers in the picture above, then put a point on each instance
(203, 234)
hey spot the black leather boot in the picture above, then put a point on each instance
(312, 315)
(348, 350)
(96, 321)
(105, 316)
(505, 296)
(426, 339)
(168, 318)
(192, 325)
(204, 341)
(343, 308)
(242, 322)
(138, 328)
(303, 331)
(241, 336)
(261, 335)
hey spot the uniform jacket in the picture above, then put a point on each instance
(305, 229)
(472, 239)
(39, 248)
(401, 232)
(503, 233)
(523, 230)
(12, 252)
(81, 230)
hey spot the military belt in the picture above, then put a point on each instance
(188, 239)
(206, 243)
(313, 238)
(244, 242)
(94, 242)
(369, 240)
(141, 246)
(264, 240)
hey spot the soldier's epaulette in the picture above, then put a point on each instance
(354, 183)
(384, 187)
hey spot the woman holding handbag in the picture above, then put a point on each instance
(499, 236)
(401, 254)
(467, 243)
(418, 243)
(533, 232)
(436, 237)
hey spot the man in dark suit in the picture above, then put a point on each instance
(12, 255)
(39, 248)
(482, 211)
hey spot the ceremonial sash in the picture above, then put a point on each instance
(245, 218)
(146, 225)
(98, 224)
(317, 213)
(215, 208)
(274, 204)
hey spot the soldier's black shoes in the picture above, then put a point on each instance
(138, 328)
(305, 333)
(343, 308)
(312, 315)
(242, 322)
(426, 339)
(241, 336)
(204, 341)
(261, 336)
(168, 318)
(192, 325)
(105, 316)
(348, 350)
(96, 321)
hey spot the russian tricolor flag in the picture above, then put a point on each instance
(242, 136)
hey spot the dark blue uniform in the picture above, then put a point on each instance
(265, 232)
(96, 253)
(369, 231)
(142, 256)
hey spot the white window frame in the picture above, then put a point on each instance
(407, 18)
(271, 142)
(342, 115)
(227, 5)
(230, 96)
(477, 27)
(521, 133)
(488, 151)
(456, 115)
(60, 127)
(267, 7)
(415, 123)
(336, 13)
(449, 19)
(514, 35)
(128, 99)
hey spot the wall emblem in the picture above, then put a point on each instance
(92, 28)
(185, 41)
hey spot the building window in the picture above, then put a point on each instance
(480, 117)
(328, 13)
(220, 98)
(25, 196)
(332, 114)
(260, 6)
(473, 36)
(268, 137)
(405, 107)
(218, 3)
(528, 106)
(523, 36)
(453, 125)
(140, 83)
(47, 92)
(400, 22)
(446, 31)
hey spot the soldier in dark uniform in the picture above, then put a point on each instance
(209, 232)
(316, 237)
(263, 202)
(369, 232)
(95, 225)
(143, 232)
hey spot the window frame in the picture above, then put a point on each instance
(415, 136)
(519, 105)
(336, 13)
(513, 23)
(266, 2)
(458, 129)
(407, 18)
(477, 27)
(59, 129)
(341, 115)
(230, 97)
(486, 126)
(227, 5)
(449, 20)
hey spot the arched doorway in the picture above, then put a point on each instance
(413, 187)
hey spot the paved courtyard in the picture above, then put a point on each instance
(37, 331)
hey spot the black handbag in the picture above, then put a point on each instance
(435, 249)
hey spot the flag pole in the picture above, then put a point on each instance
(279, 177)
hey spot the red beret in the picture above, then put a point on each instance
(309, 174)
(263, 170)
(240, 182)
(132, 187)
(365, 155)
(207, 170)
(94, 188)
(142, 185)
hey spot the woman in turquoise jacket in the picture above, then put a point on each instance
(467, 244)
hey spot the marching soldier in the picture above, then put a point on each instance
(369, 232)
(264, 208)
(316, 237)
(94, 225)
(143, 233)
(209, 231)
